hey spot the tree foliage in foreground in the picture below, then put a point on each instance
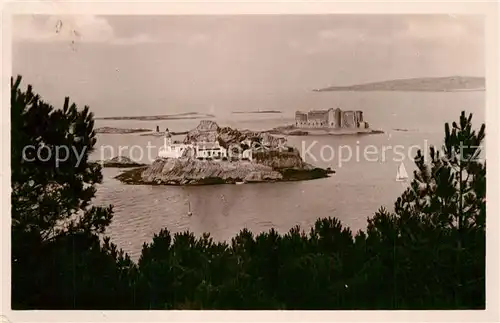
(428, 253)
(57, 258)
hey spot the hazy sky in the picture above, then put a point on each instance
(139, 65)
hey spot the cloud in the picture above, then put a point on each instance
(78, 28)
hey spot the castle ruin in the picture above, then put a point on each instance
(331, 118)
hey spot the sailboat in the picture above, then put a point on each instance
(402, 175)
(189, 209)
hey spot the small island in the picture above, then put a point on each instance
(179, 116)
(119, 162)
(210, 154)
(423, 84)
(327, 122)
(292, 130)
(119, 131)
(258, 111)
(161, 134)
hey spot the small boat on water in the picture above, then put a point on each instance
(239, 183)
(402, 175)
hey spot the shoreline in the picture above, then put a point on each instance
(134, 176)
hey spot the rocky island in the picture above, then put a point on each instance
(120, 162)
(178, 116)
(291, 130)
(161, 134)
(211, 154)
(327, 122)
(112, 130)
(257, 111)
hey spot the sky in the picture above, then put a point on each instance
(148, 65)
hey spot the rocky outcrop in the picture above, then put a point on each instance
(277, 159)
(178, 116)
(162, 134)
(111, 130)
(209, 131)
(206, 131)
(189, 171)
(292, 174)
(120, 162)
(230, 136)
(262, 176)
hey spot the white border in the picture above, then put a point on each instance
(489, 9)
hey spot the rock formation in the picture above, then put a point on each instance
(120, 162)
(206, 131)
(111, 130)
(184, 171)
(281, 159)
(209, 131)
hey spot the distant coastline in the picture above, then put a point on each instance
(259, 111)
(423, 84)
(179, 116)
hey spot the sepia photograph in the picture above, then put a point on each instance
(248, 162)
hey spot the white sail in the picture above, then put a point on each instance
(401, 175)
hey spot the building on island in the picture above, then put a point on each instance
(246, 154)
(331, 118)
(210, 150)
(200, 150)
(171, 149)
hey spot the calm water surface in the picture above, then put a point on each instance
(354, 193)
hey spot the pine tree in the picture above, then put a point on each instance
(58, 260)
(436, 235)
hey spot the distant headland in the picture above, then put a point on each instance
(178, 116)
(423, 84)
